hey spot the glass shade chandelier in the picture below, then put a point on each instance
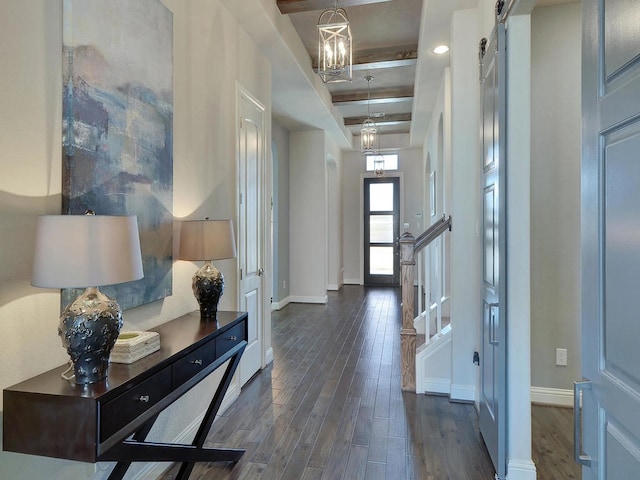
(334, 46)
(369, 130)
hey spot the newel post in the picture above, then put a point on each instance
(408, 332)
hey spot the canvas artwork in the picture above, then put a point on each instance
(118, 128)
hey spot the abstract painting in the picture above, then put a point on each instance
(118, 128)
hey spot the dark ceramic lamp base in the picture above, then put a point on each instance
(89, 328)
(208, 285)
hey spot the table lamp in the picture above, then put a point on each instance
(87, 251)
(207, 240)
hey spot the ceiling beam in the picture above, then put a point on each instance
(386, 58)
(381, 95)
(392, 119)
(390, 57)
(297, 6)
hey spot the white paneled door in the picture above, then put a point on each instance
(251, 162)
(607, 430)
(493, 347)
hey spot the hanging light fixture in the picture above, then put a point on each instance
(378, 165)
(334, 45)
(369, 130)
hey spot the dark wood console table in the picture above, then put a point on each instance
(110, 420)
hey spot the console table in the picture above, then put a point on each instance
(110, 420)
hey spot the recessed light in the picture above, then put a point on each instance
(441, 49)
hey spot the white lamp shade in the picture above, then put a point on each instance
(207, 240)
(78, 251)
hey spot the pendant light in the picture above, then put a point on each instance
(368, 131)
(334, 46)
(378, 166)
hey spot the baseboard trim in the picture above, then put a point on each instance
(436, 385)
(521, 470)
(281, 304)
(304, 299)
(552, 396)
(268, 356)
(333, 288)
(462, 393)
(352, 281)
(153, 470)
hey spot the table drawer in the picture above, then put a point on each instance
(230, 339)
(127, 407)
(193, 363)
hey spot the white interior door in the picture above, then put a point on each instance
(251, 161)
(493, 347)
(608, 444)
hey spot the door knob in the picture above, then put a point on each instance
(260, 272)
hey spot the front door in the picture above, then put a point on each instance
(608, 434)
(251, 154)
(493, 349)
(381, 231)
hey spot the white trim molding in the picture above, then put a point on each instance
(281, 304)
(306, 299)
(463, 393)
(352, 281)
(518, 469)
(333, 288)
(269, 355)
(552, 396)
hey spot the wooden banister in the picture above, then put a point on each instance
(409, 246)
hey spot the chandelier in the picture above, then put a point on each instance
(334, 45)
(369, 130)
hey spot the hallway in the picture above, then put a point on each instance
(330, 406)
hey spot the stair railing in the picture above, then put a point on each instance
(409, 246)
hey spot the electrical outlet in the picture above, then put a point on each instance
(561, 357)
(284, 284)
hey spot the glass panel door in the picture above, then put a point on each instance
(381, 231)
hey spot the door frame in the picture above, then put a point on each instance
(266, 350)
(400, 175)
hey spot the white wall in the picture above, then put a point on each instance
(307, 215)
(334, 211)
(555, 194)
(411, 167)
(205, 78)
(281, 202)
(465, 242)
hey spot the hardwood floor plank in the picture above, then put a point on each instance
(376, 471)
(324, 444)
(312, 473)
(396, 458)
(364, 422)
(357, 464)
(268, 446)
(378, 442)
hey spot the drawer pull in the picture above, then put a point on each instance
(196, 362)
(233, 338)
(144, 398)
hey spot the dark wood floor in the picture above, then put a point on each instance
(330, 406)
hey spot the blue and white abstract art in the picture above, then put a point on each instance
(118, 128)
